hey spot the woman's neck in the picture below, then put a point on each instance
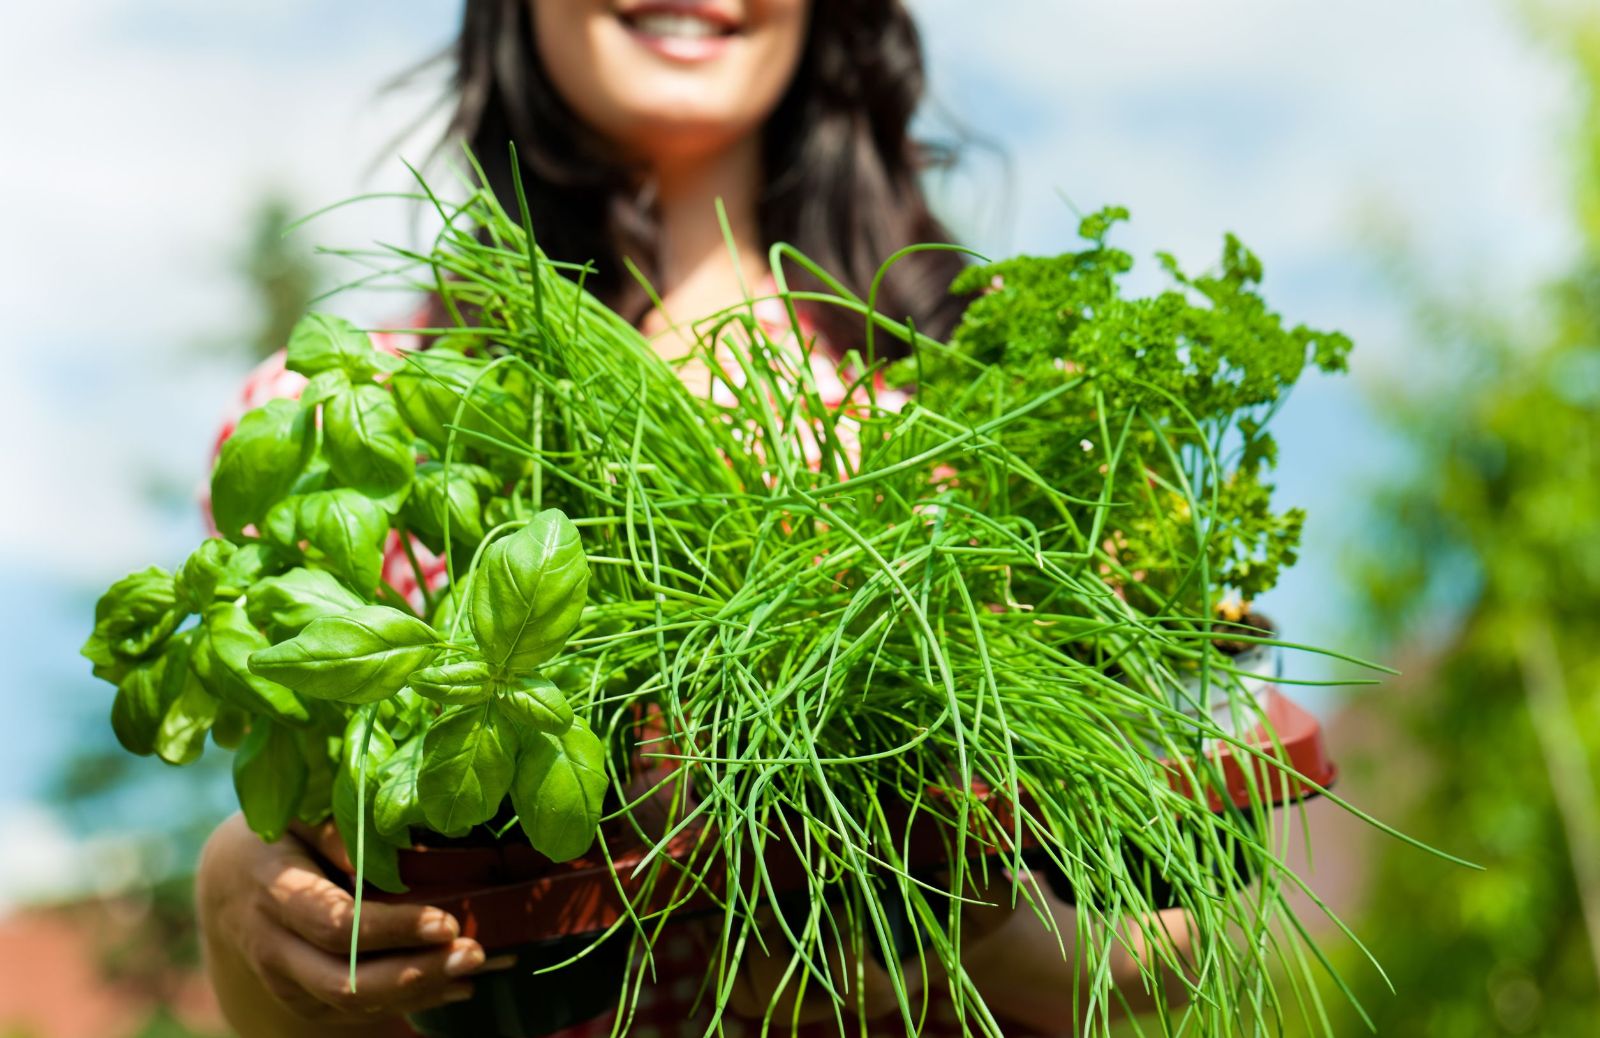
(687, 191)
(696, 273)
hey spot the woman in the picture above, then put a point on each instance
(631, 119)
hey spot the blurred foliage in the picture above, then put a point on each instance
(1501, 517)
(279, 273)
(163, 1024)
(148, 941)
(279, 277)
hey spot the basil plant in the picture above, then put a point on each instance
(339, 697)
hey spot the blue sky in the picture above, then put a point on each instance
(139, 134)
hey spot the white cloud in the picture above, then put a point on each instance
(43, 861)
(1274, 120)
(131, 171)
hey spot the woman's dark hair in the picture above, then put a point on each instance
(842, 168)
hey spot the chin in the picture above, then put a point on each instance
(679, 135)
(675, 114)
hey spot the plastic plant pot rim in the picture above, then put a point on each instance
(509, 894)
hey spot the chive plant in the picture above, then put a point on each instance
(814, 640)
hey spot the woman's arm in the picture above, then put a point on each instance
(276, 936)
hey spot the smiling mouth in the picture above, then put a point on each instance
(676, 24)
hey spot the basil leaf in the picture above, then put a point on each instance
(367, 442)
(219, 568)
(221, 658)
(430, 388)
(284, 604)
(342, 530)
(196, 580)
(579, 674)
(405, 713)
(535, 705)
(281, 524)
(559, 788)
(448, 605)
(346, 532)
(269, 775)
(246, 566)
(134, 617)
(323, 342)
(351, 801)
(259, 463)
(317, 476)
(108, 666)
(137, 711)
(499, 510)
(528, 592)
(460, 683)
(435, 381)
(361, 656)
(188, 710)
(500, 411)
(321, 755)
(452, 493)
(467, 764)
(323, 386)
(229, 728)
(182, 735)
(379, 745)
(397, 807)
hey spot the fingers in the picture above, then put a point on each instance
(305, 902)
(1149, 942)
(384, 984)
(323, 838)
(277, 934)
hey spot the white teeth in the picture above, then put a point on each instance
(683, 26)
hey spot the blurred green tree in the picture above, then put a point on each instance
(153, 950)
(279, 273)
(278, 276)
(1488, 553)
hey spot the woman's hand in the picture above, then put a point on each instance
(766, 985)
(276, 934)
(867, 987)
(1009, 955)
(1019, 968)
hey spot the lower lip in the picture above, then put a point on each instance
(686, 49)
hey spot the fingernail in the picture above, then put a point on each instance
(499, 962)
(439, 926)
(464, 960)
(458, 994)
